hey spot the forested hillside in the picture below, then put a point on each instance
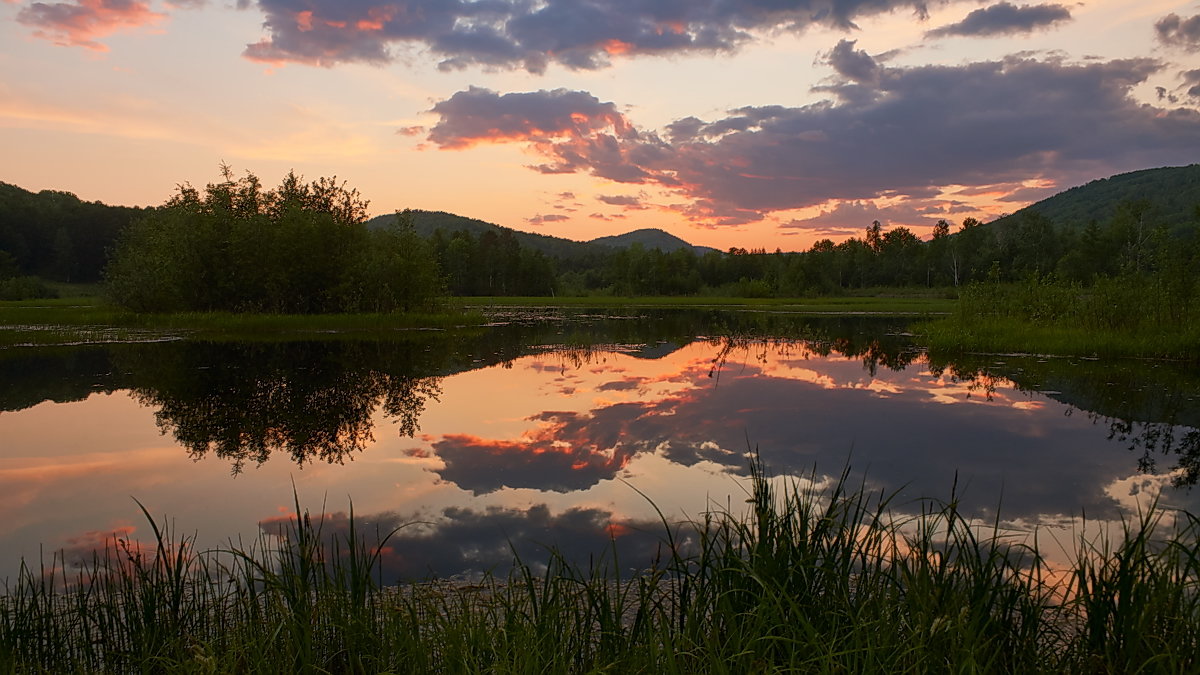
(1141, 223)
(1170, 195)
(55, 235)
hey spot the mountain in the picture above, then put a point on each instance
(427, 222)
(650, 238)
(1173, 194)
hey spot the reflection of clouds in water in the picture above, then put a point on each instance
(894, 426)
(464, 541)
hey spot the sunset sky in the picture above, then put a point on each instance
(767, 123)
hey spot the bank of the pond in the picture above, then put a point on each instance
(1009, 335)
(86, 320)
(884, 305)
(89, 319)
(1120, 317)
(803, 581)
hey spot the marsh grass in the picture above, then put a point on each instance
(1122, 317)
(88, 320)
(803, 580)
(888, 302)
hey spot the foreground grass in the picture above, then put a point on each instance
(90, 319)
(801, 582)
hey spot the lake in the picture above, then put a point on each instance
(571, 429)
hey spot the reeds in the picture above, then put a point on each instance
(804, 580)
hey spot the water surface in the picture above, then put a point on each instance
(566, 429)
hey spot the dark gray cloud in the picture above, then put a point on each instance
(578, 34)
(1005, 18)
(1191, 80)
(480, 115)
(1176, 31)
(628, 201)
(883, 131)
(856, 66)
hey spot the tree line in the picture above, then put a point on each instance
(299, 248)
(305, 247)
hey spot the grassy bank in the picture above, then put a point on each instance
(1120, 317)
(894, 305)
(801, 581)
(90, 319)
(1008, 335)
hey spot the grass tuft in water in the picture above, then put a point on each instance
(805, 579)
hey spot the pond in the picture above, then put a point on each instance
(572, 429)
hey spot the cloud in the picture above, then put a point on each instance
(1174, 31)
(541, 219)
(883, 131)
(480, 115)
(629, 202)
(532, 35)
(1005, 18)
(81, 23)
(1191, 80)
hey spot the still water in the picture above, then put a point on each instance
(566, 429)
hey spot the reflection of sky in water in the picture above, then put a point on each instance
(531, 453)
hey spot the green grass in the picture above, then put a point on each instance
(883, 305)
(1015, 335)
(803, 581)
(1123, 317)
(89, 319)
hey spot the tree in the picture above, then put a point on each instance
(300, 248)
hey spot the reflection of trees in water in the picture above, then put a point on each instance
(1152, 408)
(874, 352)
(1149, 440)
(243, 402)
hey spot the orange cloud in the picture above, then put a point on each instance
(81, 23)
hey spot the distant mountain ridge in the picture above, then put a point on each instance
(427, 222)
(1173, 195)
(650, 238)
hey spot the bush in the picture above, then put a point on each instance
(25, 288)
(298, 249)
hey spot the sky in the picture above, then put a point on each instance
(750, 123)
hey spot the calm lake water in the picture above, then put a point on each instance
(567, 429)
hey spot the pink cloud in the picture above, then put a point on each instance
(81, 23)
(901, 135)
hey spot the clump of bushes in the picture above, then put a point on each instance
(300, 248)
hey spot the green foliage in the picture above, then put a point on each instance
(57, 236)
(1171, 192)
(13, 286)
(300, 248)
(25, 288)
